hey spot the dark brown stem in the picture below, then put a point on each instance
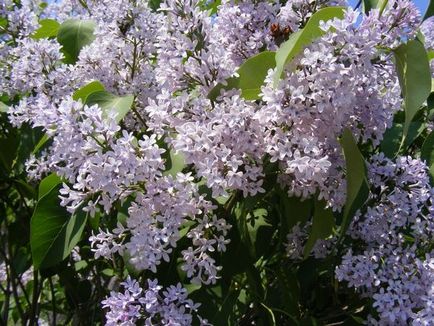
(34, 307)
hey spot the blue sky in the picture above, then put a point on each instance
(421, 4)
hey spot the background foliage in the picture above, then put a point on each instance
(49, 273)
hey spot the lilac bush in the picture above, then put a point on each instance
(189, 162)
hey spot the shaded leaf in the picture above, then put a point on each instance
(9, 148)
(25, 188)
(73, 35)
(369, 4)
(53, 232)
(392, 137)
(227, 308)
(323, 223)
(271, 317)
(154, 4)
(295, 210)
(427, 153)
(430, 10)
(260, 232)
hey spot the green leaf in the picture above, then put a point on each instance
(177, 163)
(297, 41)
(272, 318)
(323, 223)
(382, 5)
(9, 144)
(82, 264)
(3, 24)
(430, 106)
(427, 153)
(3, 107)
(357, 185)
(294, 209)
(309, 321)
(414, 77)
(392, 137)
(49, 28)
(260, 232)
(369, 4)
(154, 4)
(191, 288)
(374, 4)
(25, 188)
(108, 102)
(429, 11)
(53, 232)
(41, 143)
(226, 308)
(47, 184)
(73, 35)
(28, 138)
(251, 74)
(85, 91)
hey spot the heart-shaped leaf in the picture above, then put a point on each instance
(73, 35)
(53, 231)
(109, 102)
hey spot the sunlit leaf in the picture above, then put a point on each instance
(357, 185)
(47, 184)
(297, 41)
(414, 77)
(251, 76)
(85, 91)
(111, 103)
(48, 28)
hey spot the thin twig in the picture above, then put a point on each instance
(6, 304)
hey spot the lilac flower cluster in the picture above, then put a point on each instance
(24, 278)
(169, 60)
(393, 263)
(341, 80)
(150, 306)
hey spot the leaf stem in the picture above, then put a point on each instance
(34, 308)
